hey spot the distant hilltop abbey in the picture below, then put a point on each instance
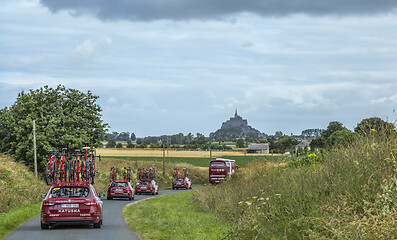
(238, 122)
(234, 128)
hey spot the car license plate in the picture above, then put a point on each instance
(69, 205)
(119, 190)
(144, 188)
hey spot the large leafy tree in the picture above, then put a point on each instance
(64, 118)
(374, 124)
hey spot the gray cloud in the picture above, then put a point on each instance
(144, 10)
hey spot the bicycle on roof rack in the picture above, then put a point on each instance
(63, 166)
(51, 168)
(127, 174)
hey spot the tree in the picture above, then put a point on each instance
(340, 138)
(124, 136)
(317, 143)
(64, 118)
(262, 140)
(133, 137)
(332, 127)
(376, 124)
(119, 145)
(285, 144)
(111, 144)
(240, 143)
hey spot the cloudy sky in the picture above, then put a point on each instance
(170, 66)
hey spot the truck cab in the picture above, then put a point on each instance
(220, 169)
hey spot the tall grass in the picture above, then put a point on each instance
(350, 194)
(18, 185)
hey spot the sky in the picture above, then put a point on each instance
(171, 66)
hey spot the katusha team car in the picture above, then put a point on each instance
(181, 179)
(182, 182)
(147, 186)
(71, 203)
(121, 189)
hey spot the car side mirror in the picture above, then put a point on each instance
(101, 195)
(44, 195)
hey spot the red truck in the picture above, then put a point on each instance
(220, 169)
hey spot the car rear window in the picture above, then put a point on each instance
(217, 164)
(70, 192)
(179, 179)
(144, 182)
(119, 184)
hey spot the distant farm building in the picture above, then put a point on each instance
(258, 148)
(304, 145)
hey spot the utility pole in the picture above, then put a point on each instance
(163, 159)
(34, 149)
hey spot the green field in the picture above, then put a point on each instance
(173, 217)
(242, 161)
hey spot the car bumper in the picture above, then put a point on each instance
(120, 195)
(70, 220)
(216, 180)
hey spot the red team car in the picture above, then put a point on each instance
(147, 186)
(71, 202)
(120, 189)
(182, 182)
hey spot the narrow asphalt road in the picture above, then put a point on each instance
(114, 226)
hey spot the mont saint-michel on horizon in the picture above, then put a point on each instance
(235, 127)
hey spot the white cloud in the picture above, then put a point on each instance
(90, 49)
(392, 99)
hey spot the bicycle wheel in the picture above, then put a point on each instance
(72, 171)
(54, 173)
(48, 176)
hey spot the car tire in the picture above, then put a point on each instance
(97, 225)
(190, 187)
(109, 198)
(44, 226)
(154, 192)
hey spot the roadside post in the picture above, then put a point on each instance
(34, 149)
(163, 159)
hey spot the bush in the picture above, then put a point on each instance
(111, 144)
(119, 145)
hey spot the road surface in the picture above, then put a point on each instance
(114, 226)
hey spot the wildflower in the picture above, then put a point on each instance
(267, 199)
(255, 197)
(261, 199)
(278, 195)
(240, 202)
(248, 203)
(263, 203)
(373, 130)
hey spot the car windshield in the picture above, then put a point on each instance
(178, 179)
(144, 182)
(217, 164)
(70, 192)
(119, 184)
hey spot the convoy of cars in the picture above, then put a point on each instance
(71, 202)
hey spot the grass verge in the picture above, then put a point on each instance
(174, 217)
(17, 216)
